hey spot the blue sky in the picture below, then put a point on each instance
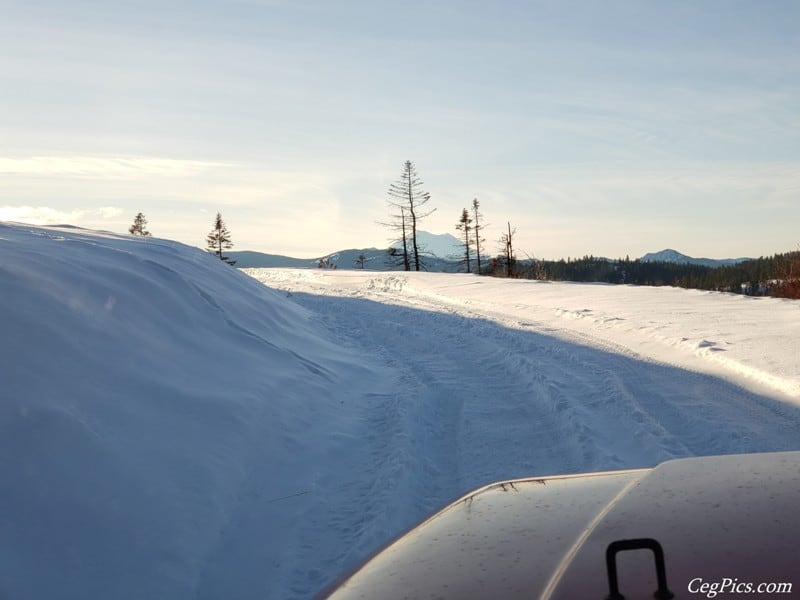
(605, 128)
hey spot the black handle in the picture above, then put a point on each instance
(662, 593)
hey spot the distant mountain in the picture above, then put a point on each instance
(440, 252)
(376, 260)
(249, 259)
(441, 245)
(343, 259)
(673, 256)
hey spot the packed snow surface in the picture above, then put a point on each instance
(172, 428)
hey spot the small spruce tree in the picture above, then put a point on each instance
(220, 239)
(139, 226)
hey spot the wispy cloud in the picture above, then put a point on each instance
(101, 167)
(44, 215)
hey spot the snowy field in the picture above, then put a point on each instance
(172, 428)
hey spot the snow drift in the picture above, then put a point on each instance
(157, 404)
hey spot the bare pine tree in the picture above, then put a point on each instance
(396, 257)
(508, 250)
(139, 226)
(477, 228)
(464, 225)
(409, 198)
(220, 239)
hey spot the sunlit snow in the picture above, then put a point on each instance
(170, 427)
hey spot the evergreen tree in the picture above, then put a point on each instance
(220, 239)
(139, 226)
(408, 196)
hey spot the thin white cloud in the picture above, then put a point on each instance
(100, 167)
(45, 215)
(109, 212)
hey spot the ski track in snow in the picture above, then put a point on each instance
(478, 401)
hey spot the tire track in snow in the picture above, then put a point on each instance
(602, 399)
(475, 401)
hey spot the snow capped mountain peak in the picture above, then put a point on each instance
(441, 245)
(666, 255)
(673, 256)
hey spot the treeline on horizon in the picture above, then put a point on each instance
(777, 275)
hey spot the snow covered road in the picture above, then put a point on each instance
(754, 342)
(476, 400)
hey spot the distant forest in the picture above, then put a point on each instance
(777, 275)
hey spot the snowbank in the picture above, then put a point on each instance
(164, 420)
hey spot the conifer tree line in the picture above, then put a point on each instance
(777, 275)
